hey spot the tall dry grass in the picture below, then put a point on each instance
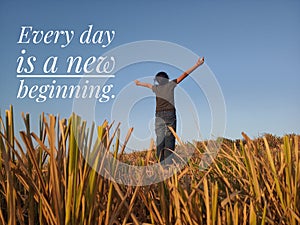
(45, 179)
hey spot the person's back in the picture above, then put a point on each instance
(165, 96)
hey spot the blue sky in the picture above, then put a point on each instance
(252, 47)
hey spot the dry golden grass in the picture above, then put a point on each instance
(44, 179)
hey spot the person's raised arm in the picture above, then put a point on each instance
(199, 62)
(147, 85)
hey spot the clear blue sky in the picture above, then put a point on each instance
(252, 47)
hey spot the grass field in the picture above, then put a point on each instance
(44, 179)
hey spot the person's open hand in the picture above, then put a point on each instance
(137, 82)
(200, 61)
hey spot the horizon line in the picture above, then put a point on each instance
(64, 76)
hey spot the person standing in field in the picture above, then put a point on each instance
(165, 114)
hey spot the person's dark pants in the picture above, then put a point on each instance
(165, 140)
